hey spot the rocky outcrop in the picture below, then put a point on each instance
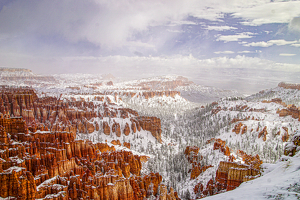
(73, 115)
(240, 128)
(197, 169)
(148, 95)
(53, 165)
(151, 124)
(292, 147)
(285, 137)
(115, 129)
(43, 160)
(220, 145)
(291, 110)
(289, 86)
(276, 100)
(263, 134)
(192, 155)
(230, 175)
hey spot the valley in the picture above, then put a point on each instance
(92, 136)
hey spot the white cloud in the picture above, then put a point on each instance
(258, 44)
(182, 22)
(110, 23)
(295, 45)
(224, 52)
(271, 43)
(287, 54)
(270, 12)
(232, 38)
(220, 28)
(281, 42)
(247, 52)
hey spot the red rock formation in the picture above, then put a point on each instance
(126, 144)
(231, 175)
(221, 145)
(116, 142)
(106, 128)
(290, 110)
(289, 86)
(192, 155)
(53, 164)
(253, 161)
(286, 135)
(126, 129)
(237, 128)
(59, 166)
(276, 100)
(116, 129)
(292, 147)
(198, 169)
(263, 133)
(151, 124)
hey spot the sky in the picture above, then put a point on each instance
(246, 45)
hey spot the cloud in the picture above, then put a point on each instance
(242, 52)
(287, 54)
(294, 25)
(220, 28)
(270, 43)
(232, 38)
(224, 52)
(111, 23)
(295, 45)
(258, 44)
(269, 12)
(100, 22)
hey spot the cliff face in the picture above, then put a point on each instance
(40, 158)
(192, 155)
(292, 147)
(73, 115)
(229, 174)
(290, 110)
(289, 86)
(56, 166)
(151, 124)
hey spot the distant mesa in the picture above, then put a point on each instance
(5, 69)
(289, 85)
(21, 74)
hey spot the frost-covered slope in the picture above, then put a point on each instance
(289, 96)
(279, 181)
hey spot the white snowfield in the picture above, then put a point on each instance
(280, 181)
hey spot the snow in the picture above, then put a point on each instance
(185, 123)
(46, 182)
(280, 181)
(14, 168)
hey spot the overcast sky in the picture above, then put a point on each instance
(247, 45)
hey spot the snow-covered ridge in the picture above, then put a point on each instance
(289, 96)
(8, 72)
(280, 181)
